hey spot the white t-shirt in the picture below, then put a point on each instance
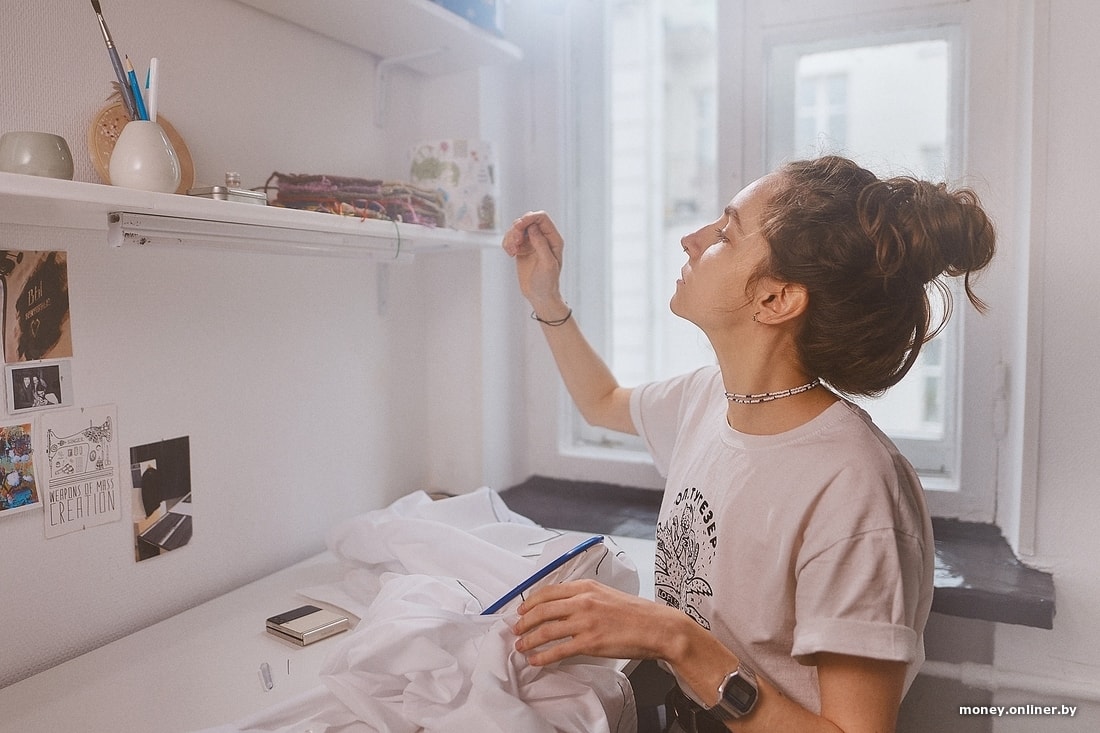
(813, 540)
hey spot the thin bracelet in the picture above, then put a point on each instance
(553, 323)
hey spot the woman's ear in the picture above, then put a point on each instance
(778, 302)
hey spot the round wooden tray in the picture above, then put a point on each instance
(103, 134)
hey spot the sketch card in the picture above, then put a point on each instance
(38, 385)
(18, 488)
(161, 476)
(35, 288)
(81, 459)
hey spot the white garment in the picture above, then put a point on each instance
(422, 658)
(426, 660)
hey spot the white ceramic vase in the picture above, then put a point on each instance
(144, 158)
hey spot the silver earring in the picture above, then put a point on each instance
(754, 315)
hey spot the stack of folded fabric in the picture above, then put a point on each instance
(363, 197)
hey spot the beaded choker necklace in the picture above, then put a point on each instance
(753, 399)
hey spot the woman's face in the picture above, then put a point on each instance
(714, 286)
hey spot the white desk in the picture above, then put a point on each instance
(198, 669)
(194, 670)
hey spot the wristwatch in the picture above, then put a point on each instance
(736, 695)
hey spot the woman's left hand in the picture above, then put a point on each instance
(585, 617)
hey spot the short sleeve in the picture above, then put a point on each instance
(863, 596)
(658, 409)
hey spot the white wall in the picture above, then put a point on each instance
(303, 401)
(1065, 267)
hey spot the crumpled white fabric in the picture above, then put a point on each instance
(422, 658)
(429, 661)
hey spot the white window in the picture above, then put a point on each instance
(690, 100)
(889, 101)
(661, 128)
(820, 109)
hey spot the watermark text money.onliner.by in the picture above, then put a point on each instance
(999, 711)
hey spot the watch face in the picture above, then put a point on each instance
(740, 693)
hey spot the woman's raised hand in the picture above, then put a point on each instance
(535, 243)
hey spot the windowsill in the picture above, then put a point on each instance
(977, 576)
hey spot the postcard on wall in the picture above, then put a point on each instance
(18, 489)
(80, 452)
(38, 385)
(35, 288)
(161, 476)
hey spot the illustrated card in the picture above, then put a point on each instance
(81, 460)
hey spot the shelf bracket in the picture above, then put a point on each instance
(382, 75)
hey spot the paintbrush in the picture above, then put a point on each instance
(123, 81)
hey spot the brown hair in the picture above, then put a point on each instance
(866, 249)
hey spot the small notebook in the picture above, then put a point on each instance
(307, 624)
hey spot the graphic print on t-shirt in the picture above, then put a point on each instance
(686, 542)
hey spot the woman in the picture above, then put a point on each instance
(794, 551)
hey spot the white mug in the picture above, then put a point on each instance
(36, 154)
(143, 157)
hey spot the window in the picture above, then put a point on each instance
(820, 110)
(890, 102)
(686, 102)
(662, 132)
(881, 99)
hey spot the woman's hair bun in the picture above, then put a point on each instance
(921, 230)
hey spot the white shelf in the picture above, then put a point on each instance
(428, 37)
(141, 217)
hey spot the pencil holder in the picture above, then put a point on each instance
(144, 158)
